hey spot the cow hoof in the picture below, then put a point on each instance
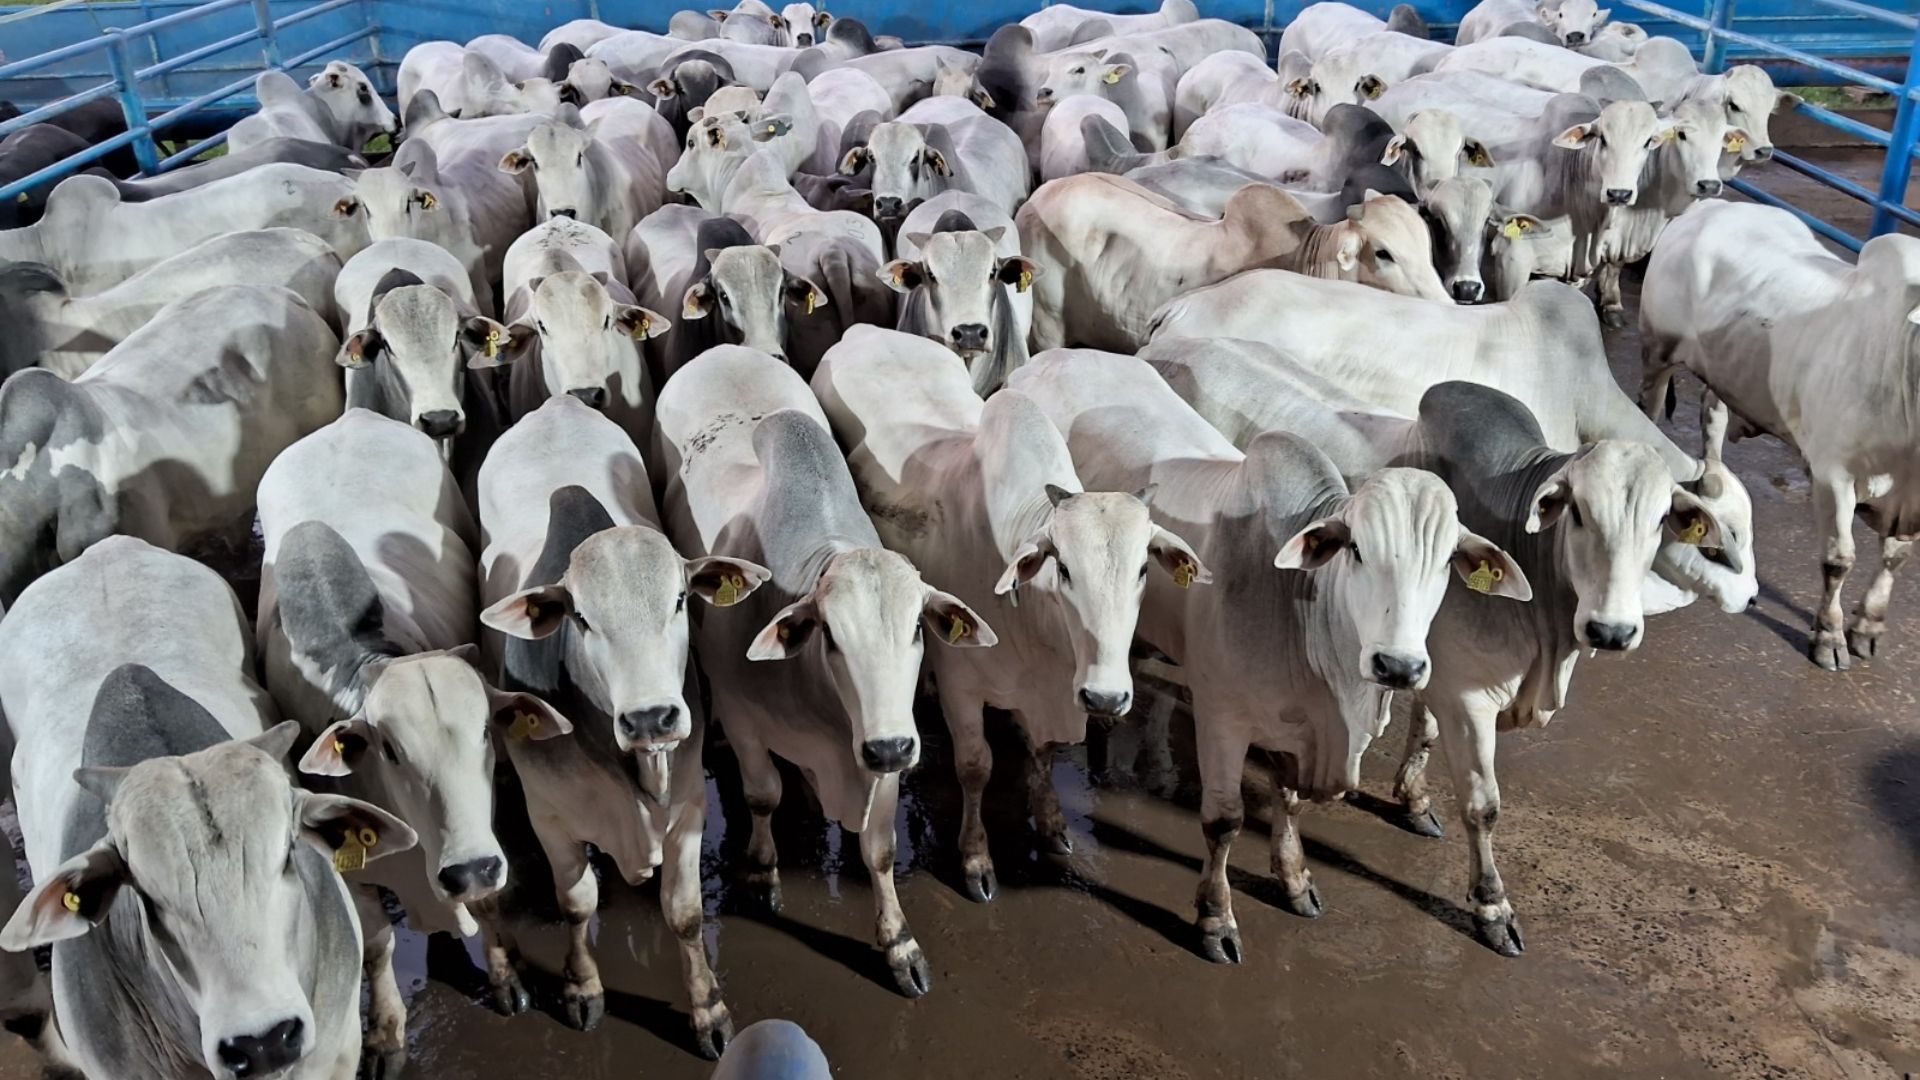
(1424, 824)
(1863, 643)
(583, 1012)
(712, 1039)
(765, 886)
(1615, 318)
(1057, 843)
(509, 998)
(1306, 905)
(1221, 944)
(1830, 651)
(912, 975)
(1502, 935)
(382, 1063)
(981, 885)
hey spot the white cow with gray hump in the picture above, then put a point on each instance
(594, 166)
(1573, 22)
(367, 617)
(339, 106)
(1543, 347)
(984, 496)
(591, 603)
(160, 823)
(753, 473)
(49, 326)
(959, 291)
(1299, 663)
(1815, 352)
(94, 241)
(167, 436)
(940, 144)
(1056, 25)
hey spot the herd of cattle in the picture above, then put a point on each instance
(748, 372)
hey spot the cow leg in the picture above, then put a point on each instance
(503, 954)
(1613, 309)
(1044, 802)
(1870, 618)
(1466, 739)
(383, 1052)
(680, 901)
(761, 777)
(1290, 857)
(583, 999)
(909, 965)
(1223, 759)
(1410, 783)
(1657, 370)
(1833, 502)
(973, 761)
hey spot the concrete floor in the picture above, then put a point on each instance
(1714, 852)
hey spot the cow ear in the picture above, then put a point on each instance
(662, 88)
(1300, 87)
(956, 623)
(804, 294)
(777, 22)
(525, 716)
(1116, 72)
(918, 240)
(1177, 559)
(1311, 547)
(938, 160)
(1476, 154)
(335, 823)
(339, 748)
(1600, 17)
(277, 740)
(1018, 271)
(520, 341)
(716, 15)
(346, 207)
(483, 338)
(994, 233)
(855, 160)
(822, 19)
(724, 582)
(1033, 554)
(1347, 255)
(771, 127)
(68, 902)
(530, 614)
(1396, 147)
(1574, 137)
(1370, 86)
(787, 634)
(1549, 502)
(638, 323)
(902, 276)
(1486, 568)
(1691, 522)
(980, 98)
(1785, 101)
(1523, 226)
(517, 161)
(360, 350)
(1735, 140)
(697, 301)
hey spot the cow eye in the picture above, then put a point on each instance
(826, 638)
(1354, 549)
(386, 751)
(1573, 512)
(607, 323)
(580, 621)
(917, 627)
(540, 326)
(580, 157)
(680, 602)
(1061, 569)
(1143, 571)
(1382, 255)
(1078, 71)
(1681, 134)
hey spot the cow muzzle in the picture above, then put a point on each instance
(594, 397)
(1611, 636)
(1398, 672)
(1619, 196)
(441, 423)
(1706, 189)
(650, 727)
(1762, 153)
(1105, 704)
(889, 755)
(572, 215)
(475, 879)
(889, 207)
(1468, 292)
(266, 1052)
(1575, 39)
(968, 337)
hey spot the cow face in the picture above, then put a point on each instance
(1574, 22)
(556, 152)
(1748, 98)
(1102, 547)
(220, 850)
(585, 337)
(805, 25)
(1085, 72)
(1397, 542)
(1337, 77)
(590, 79)
(962, 281)
(907, 169)
(869, 615)
(357, 111)
(1456, 212)
(1617, 142)
(1614, 503)
(406, 199)
(751, 292)
(416, 349)
(1431, 149)
(1388, 246)
(718, 144)
(1702, 138)
(424, 737)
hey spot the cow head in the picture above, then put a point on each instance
(1090, 72)
(805, 26)
(1748, 97)
(407, 199)
(1339, 76)
(961, 280)
(590, 79)
(227, 859)
(1701, 140)
(1613, 504)
(1385, 244)
(751, 291)
(1510, 254)
(1456, 211)
(910, 163)
(1617, 143)
(357, 111)
(1102, 547)
(1574, 22)
(416, 348)
(1725, 572)
(585, 337)
(1393, 546)
(867, 617)
(556, 152)
(1431, 149)
(718, 144)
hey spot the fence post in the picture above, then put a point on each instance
(1713, 51)
(132, 105)
(1906, 129)
(269, 40)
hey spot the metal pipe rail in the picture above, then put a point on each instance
(1889, 202)
(126, 79)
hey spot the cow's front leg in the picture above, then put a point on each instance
(909, 965)
(383, 1051)
(1870, 618)
(1290, 857)
(508, 996)
(1223, 759)
(1833, 503)
(1466, 739)
(973, 761)
(680, 902)
(583, 999)
(761, 778)
(1410, 783)
(1613, 309)
(1044, 801)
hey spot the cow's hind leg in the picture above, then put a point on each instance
(1048, 821)
(1833, 502)
(1870, 618)
(973, 761)
(761, 778)
(908, 964)
(1466, 739)
(680, 901)
(1290, 857)
(1223, 760)
(1410, 783)
(383, 1052)
(1657, 369)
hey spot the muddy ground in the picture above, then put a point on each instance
(1714, 852)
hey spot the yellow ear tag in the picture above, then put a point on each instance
(730, 590)
(523, 726)
(957, 630)
(1026, 280)
(813, 301)
(1736, 143)
(640, 331)
(351, 855)
(1512, 230)
(1183, 574)
(1112, 77)
(71, 902)
(339, 748)
(1696, 532)
(1483, 579)
(493, 344)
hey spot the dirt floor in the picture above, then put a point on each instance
(1715, 853)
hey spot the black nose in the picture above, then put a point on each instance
(649, 725)
(478, 875)
(1398, 672)
(1468, 292)
(887, 755)
(969, 337)
(1576, 38)
(1763, 153)
(440, 423)
(270, 1051)
(886, 206)
(1619, 196)
(593, 396)
(574, 214)
(803, 39)
(1105, 702)
(1706, 189)
(1613, 637)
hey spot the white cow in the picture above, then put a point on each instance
(940, 144)
(1063, 148)
(1055, 26)
(1662, 68)
(338, 106)
(1574, 22)
(596, 169)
